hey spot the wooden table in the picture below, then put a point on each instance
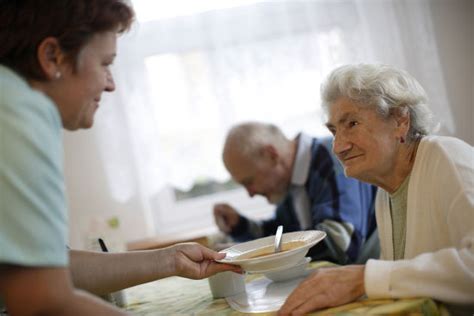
(180, 296)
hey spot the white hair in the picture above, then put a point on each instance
(385, 88)
(250, 137)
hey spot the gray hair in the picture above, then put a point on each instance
(387, 89)
(249, 138)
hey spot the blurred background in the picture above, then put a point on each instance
(190, 69)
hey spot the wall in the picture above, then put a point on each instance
(453, 22)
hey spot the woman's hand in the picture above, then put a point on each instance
(326, 287)
(193, 261)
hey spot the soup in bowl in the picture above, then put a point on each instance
(258, 255)
(270, 250)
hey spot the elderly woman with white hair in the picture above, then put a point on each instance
(425, 203)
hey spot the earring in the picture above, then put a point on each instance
(402, 139)
(57, 75)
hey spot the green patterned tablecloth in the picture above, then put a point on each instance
(180, 296)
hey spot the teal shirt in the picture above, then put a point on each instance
(33, 212)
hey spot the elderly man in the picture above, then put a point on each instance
(309, 187)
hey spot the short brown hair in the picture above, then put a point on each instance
(24, 24)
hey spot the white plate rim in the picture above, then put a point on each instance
(273, 256)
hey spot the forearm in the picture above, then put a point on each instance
(445, 275)
(74, 303)
(82, 303)
(102, 273)
(47, 291)
(246, 230)
(340, 246)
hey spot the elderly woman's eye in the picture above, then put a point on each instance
(353, 123)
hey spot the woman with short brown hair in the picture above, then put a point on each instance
(55, 58)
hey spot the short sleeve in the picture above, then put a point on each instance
(33, 215)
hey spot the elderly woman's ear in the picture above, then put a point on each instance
(401, 115)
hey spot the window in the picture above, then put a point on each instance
(200, 89)
(191, 69)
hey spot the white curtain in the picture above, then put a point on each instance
(183, 78)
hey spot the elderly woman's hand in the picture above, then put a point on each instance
(326, 287)
(193, 261)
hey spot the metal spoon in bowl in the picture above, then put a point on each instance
(278, 234)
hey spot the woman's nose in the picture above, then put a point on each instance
(110, 83)
(340, 144)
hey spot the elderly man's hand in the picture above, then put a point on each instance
(194, 261)
(326, 287)
(226, 217)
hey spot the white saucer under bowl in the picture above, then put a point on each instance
(289, 273)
